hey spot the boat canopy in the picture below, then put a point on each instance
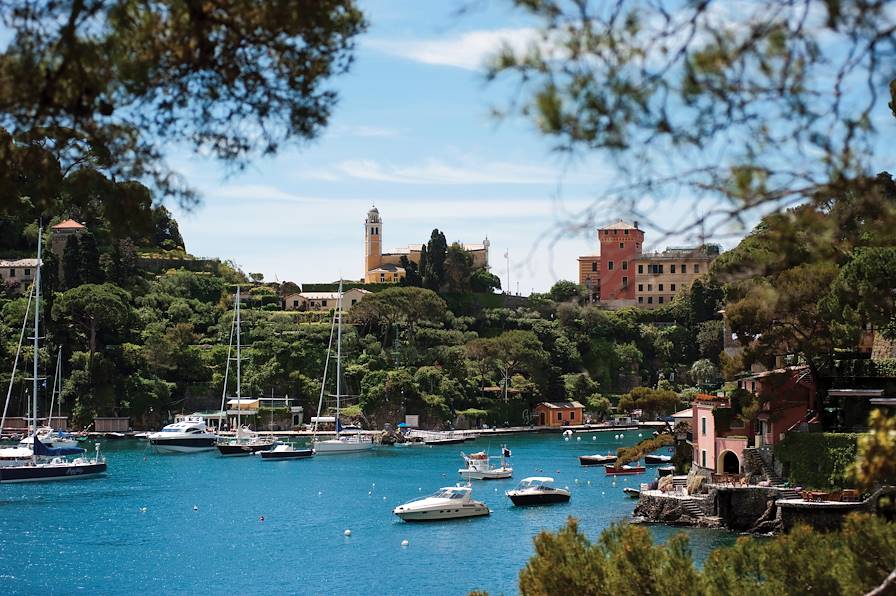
(41, 449)
(538, 480)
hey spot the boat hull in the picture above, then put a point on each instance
(657, 459)
(238, 450)
(632, 493)
(281, 455)
(596, 460)
(49, 472)
(335, 447)
(192, 445)
(495, 474)
(458, 512)
(444, 441)
(614, 471)
(524, 500)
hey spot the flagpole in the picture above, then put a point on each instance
(507, 258)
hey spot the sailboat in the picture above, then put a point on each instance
(47, 434)
(47, 463)
(343, 443)
(246, 440)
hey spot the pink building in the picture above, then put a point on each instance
(720, 435)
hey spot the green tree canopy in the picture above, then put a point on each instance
(117, 79)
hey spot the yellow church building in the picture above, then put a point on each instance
(385, 267)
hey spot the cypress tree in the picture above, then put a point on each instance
(71, 263)
(91, 273)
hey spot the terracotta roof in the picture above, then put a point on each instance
(69, 224)
(620, 225)
(561, 405)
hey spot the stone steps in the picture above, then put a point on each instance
(691, 507)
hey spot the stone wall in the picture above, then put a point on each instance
(741, 507)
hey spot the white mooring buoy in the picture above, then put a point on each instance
(405, 543)
(347, 533)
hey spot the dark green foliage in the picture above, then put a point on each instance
(411, 273)
(90, 273)
(71, 262)
(818, 460)
(565, 291)
(625, 561)
(117, 80)
(626, 455)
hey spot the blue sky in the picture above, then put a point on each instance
(412, 134)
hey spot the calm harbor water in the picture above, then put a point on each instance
(137, 530)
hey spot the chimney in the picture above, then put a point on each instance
(636, 224)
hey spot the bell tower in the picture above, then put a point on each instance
(373, 240)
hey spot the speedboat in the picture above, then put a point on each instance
(613, 470)
(452, 502)
(632, 493)
(480, 467)
(187, 436)
(284, 451)
(246, 442)
(596, 459)
(657, 459)
(538, 490)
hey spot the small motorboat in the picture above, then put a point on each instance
(452, 502)
(665, 470)
(537, 490)
(246, 442)
(285, 451)
(596, 459)
(480, 467)
(652, 459)
(612, 470)
(633, 493)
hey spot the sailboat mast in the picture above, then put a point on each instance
(36, 328)
(338, 355)
(239, 404)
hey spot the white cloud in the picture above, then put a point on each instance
(468, 50)
(435, 171)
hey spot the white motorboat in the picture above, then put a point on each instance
(356, 442)
(481, 467)
(452, 502)
(537, 490)
(15, 456)
(187, 436)
(285, 451)
(50, 438)
(657, 459)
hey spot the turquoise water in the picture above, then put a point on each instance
(92, 536)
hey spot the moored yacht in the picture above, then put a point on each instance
(285, 451)
(452, 502)
(51, 438)
(596, 459)
(49, 463)
(480, 467)
(355, 442)
(45, 463)
(246, 441)
(186, 436)
(537, 490)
